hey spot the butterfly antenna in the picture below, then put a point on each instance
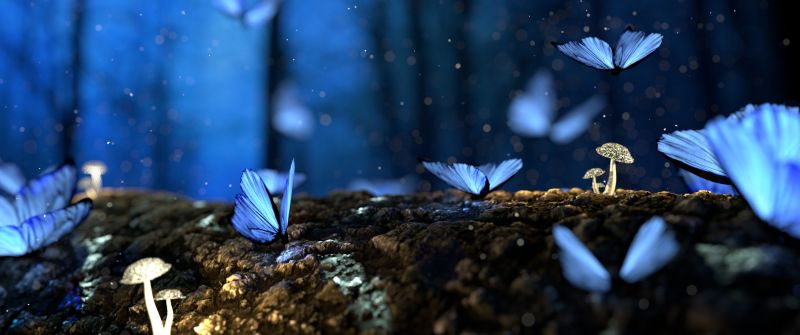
(630, 27)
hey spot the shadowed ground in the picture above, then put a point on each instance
(426, 263)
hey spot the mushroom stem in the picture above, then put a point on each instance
(168, 323)
(595, 189)
(152, 310)
(611, 185)
(97, 181)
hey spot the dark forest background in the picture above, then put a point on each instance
(174, 95)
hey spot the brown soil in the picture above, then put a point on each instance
(426, 263)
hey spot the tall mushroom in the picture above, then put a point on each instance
(616, 153)
(593, 173)
(168, 295)
(142, 272)
(95, 169)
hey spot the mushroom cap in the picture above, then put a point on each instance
(615, 151)
(144, 269)
(594, 172)
(169, 294)
(91, 167)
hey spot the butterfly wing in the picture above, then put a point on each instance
(531, 113)
(464, 177)
(578, 264)
(11, 178)
(48, 192)
(690, 150)
(575, 123)
(634, 46)
(45, 229)
(254, 213)
(232, 8)
(696, 183)
(11, 242)
(261, 13)
(286, 201)
(760, 154)
(8, 214)
(653, 247)
(591, 51)
(501, 173)
(787, 196)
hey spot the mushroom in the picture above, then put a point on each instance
(593, 173)
(142, 272)
(169, 294)
(85, 184)
(95, 169)
(616, 153)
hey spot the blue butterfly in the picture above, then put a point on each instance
(632, 48)
(381, 187)
(759, 149)
(532, 113)
(653, 247)
(696, 183)
(291, 118)
(251, 16)
(41, 213)
(11, 178)
(254, 215)
(475, 180)
(276, 180)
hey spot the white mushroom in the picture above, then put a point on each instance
(616, 153)
(168, 295)
(85, 184)
(95, 169)
(142, 272)
(593, 173)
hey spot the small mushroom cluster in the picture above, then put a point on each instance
(616, 153)
(142, 272)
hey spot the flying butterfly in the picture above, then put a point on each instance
(653, 246)
(532, 113)
(41, 212)
(275, 180)
(291, 117)
(478, 180)
(632, 48)
(381, 187)
(254, 214)
(251, 15)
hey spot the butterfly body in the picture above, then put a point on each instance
(476, 180)
(631, 49)
(256, 216)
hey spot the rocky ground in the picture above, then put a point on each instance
(426, 263)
